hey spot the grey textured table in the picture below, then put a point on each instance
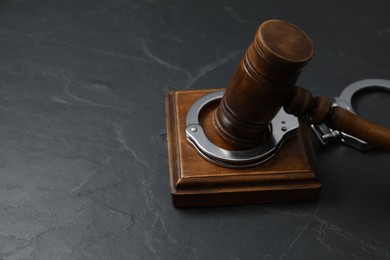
(83, 154)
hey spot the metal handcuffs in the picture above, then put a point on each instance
(325, 134)
(281, 128)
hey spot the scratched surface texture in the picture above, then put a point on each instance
(83, 154)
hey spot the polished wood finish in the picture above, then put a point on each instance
(262, 82)
(319, 110)
(289, 176)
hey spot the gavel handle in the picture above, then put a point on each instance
(354, 125)
(320, 110)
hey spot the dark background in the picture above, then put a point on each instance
(83, 154)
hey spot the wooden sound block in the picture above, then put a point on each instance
(288, 176)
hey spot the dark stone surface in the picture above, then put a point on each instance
(83, 154)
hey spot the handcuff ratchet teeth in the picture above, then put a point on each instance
(326, 134)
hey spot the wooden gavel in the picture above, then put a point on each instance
(265, 81)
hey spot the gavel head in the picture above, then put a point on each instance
(262, 82)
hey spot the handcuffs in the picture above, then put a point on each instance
(325, 134)
(281, 128)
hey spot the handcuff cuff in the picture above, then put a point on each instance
(326, 135)
(281, 128)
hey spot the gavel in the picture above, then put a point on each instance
(264, 82)
(238, 146)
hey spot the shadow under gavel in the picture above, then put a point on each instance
(264, 82)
